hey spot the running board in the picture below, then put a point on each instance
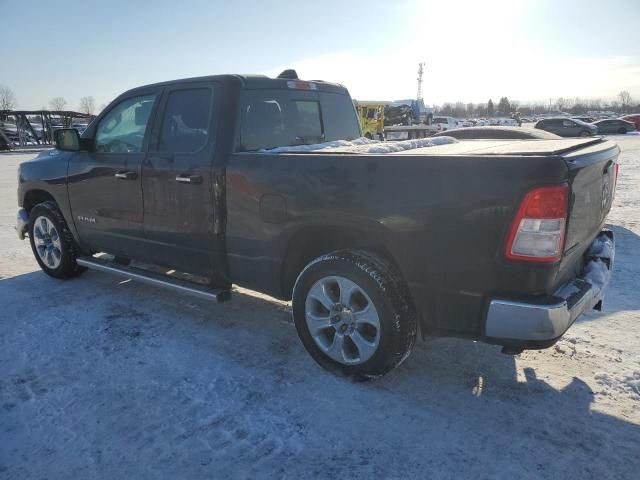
(152, 278)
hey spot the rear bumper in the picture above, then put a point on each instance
(22, 221)
(541, 324)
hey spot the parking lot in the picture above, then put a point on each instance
(107, 378)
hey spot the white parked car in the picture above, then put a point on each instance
(445, 123)
(503, 121)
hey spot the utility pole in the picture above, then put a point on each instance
(420, 72)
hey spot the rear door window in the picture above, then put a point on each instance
(185, 122)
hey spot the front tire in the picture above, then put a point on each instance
(51, 241)
(353, 314)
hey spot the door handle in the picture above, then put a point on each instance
(126, 175)
(189, 178)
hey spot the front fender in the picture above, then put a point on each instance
(46, 175)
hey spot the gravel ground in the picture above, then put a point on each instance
(101, 378)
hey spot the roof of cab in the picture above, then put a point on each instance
(253, 82)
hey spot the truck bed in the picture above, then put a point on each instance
(442, 212)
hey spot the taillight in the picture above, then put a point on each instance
(537, 231)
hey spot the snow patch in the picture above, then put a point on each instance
(602, 246)
(364, 145)
(597, 272)
(629, 384)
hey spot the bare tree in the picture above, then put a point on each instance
(504, 106)
(625, 100)
(57, 103)
(7, 98)
(446, 109)
(595, 104)
(562, 103)
(87, 105)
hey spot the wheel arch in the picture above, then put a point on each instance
(35, 196)
(311, 242)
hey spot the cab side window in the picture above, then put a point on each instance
(122, 130)
(308, 123)
(280, 121)
(568, 123)
(185, 123)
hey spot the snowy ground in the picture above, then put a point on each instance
(105, 379)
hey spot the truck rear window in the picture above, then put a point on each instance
(277, 118)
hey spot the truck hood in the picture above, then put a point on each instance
(49, 166)
(51, 155)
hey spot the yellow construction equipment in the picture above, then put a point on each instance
(371, 117)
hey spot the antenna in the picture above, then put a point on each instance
(420, 72)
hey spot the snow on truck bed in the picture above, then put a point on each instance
(364, 145)
(444, 146)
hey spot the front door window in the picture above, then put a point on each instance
(122, 130)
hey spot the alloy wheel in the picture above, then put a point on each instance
(47, 242)
(342, 320)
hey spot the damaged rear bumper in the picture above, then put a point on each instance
(539, 325)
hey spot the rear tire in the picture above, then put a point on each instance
(353, 314)
(51, 241)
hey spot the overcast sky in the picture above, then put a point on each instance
(474, 50)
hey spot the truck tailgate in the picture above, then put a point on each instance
(591, 171)
(592, 178)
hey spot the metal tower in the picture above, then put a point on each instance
(420, 72)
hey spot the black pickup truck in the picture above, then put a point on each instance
(200, 183)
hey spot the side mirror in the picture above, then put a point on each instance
(67, 139)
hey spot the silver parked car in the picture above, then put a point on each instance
(567, 127)
(614, 125)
